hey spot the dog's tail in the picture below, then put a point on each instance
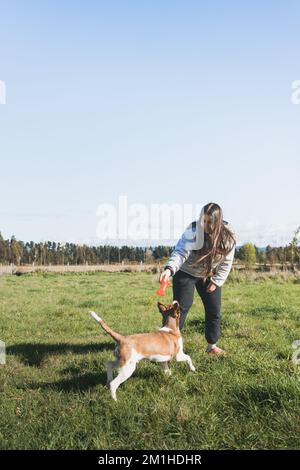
(113, 334)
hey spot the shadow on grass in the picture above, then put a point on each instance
(84, 382)
(33, 354)
(78, 383)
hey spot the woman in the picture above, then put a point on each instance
(206, 269)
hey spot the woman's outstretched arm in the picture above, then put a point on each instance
(181, 252)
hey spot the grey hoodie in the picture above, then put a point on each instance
(182, 258)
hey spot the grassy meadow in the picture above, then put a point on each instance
(52, 388)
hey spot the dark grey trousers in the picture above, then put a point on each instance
(183, 291)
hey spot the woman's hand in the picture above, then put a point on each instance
(211, 287)
(165, 275)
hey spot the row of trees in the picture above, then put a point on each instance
(249, 254)
(285, 256)
(19, 252)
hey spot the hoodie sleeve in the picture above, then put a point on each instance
(180, 253)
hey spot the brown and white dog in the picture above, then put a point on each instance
(160, 346)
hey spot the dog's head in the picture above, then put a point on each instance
(170, 314)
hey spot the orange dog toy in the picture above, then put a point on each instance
(162, 290)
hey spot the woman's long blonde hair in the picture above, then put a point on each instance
(220, 242)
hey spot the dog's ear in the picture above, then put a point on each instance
(176, 306)
(161, 307)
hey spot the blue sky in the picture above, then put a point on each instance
(162, 101)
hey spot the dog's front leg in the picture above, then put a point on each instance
(181, 357)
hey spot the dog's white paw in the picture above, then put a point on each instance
(113, 392)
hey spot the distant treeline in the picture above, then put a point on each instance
(19, 252)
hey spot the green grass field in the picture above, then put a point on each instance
(52, 388)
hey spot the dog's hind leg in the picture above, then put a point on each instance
(165, 366)
(124, 373)
(110, 365)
